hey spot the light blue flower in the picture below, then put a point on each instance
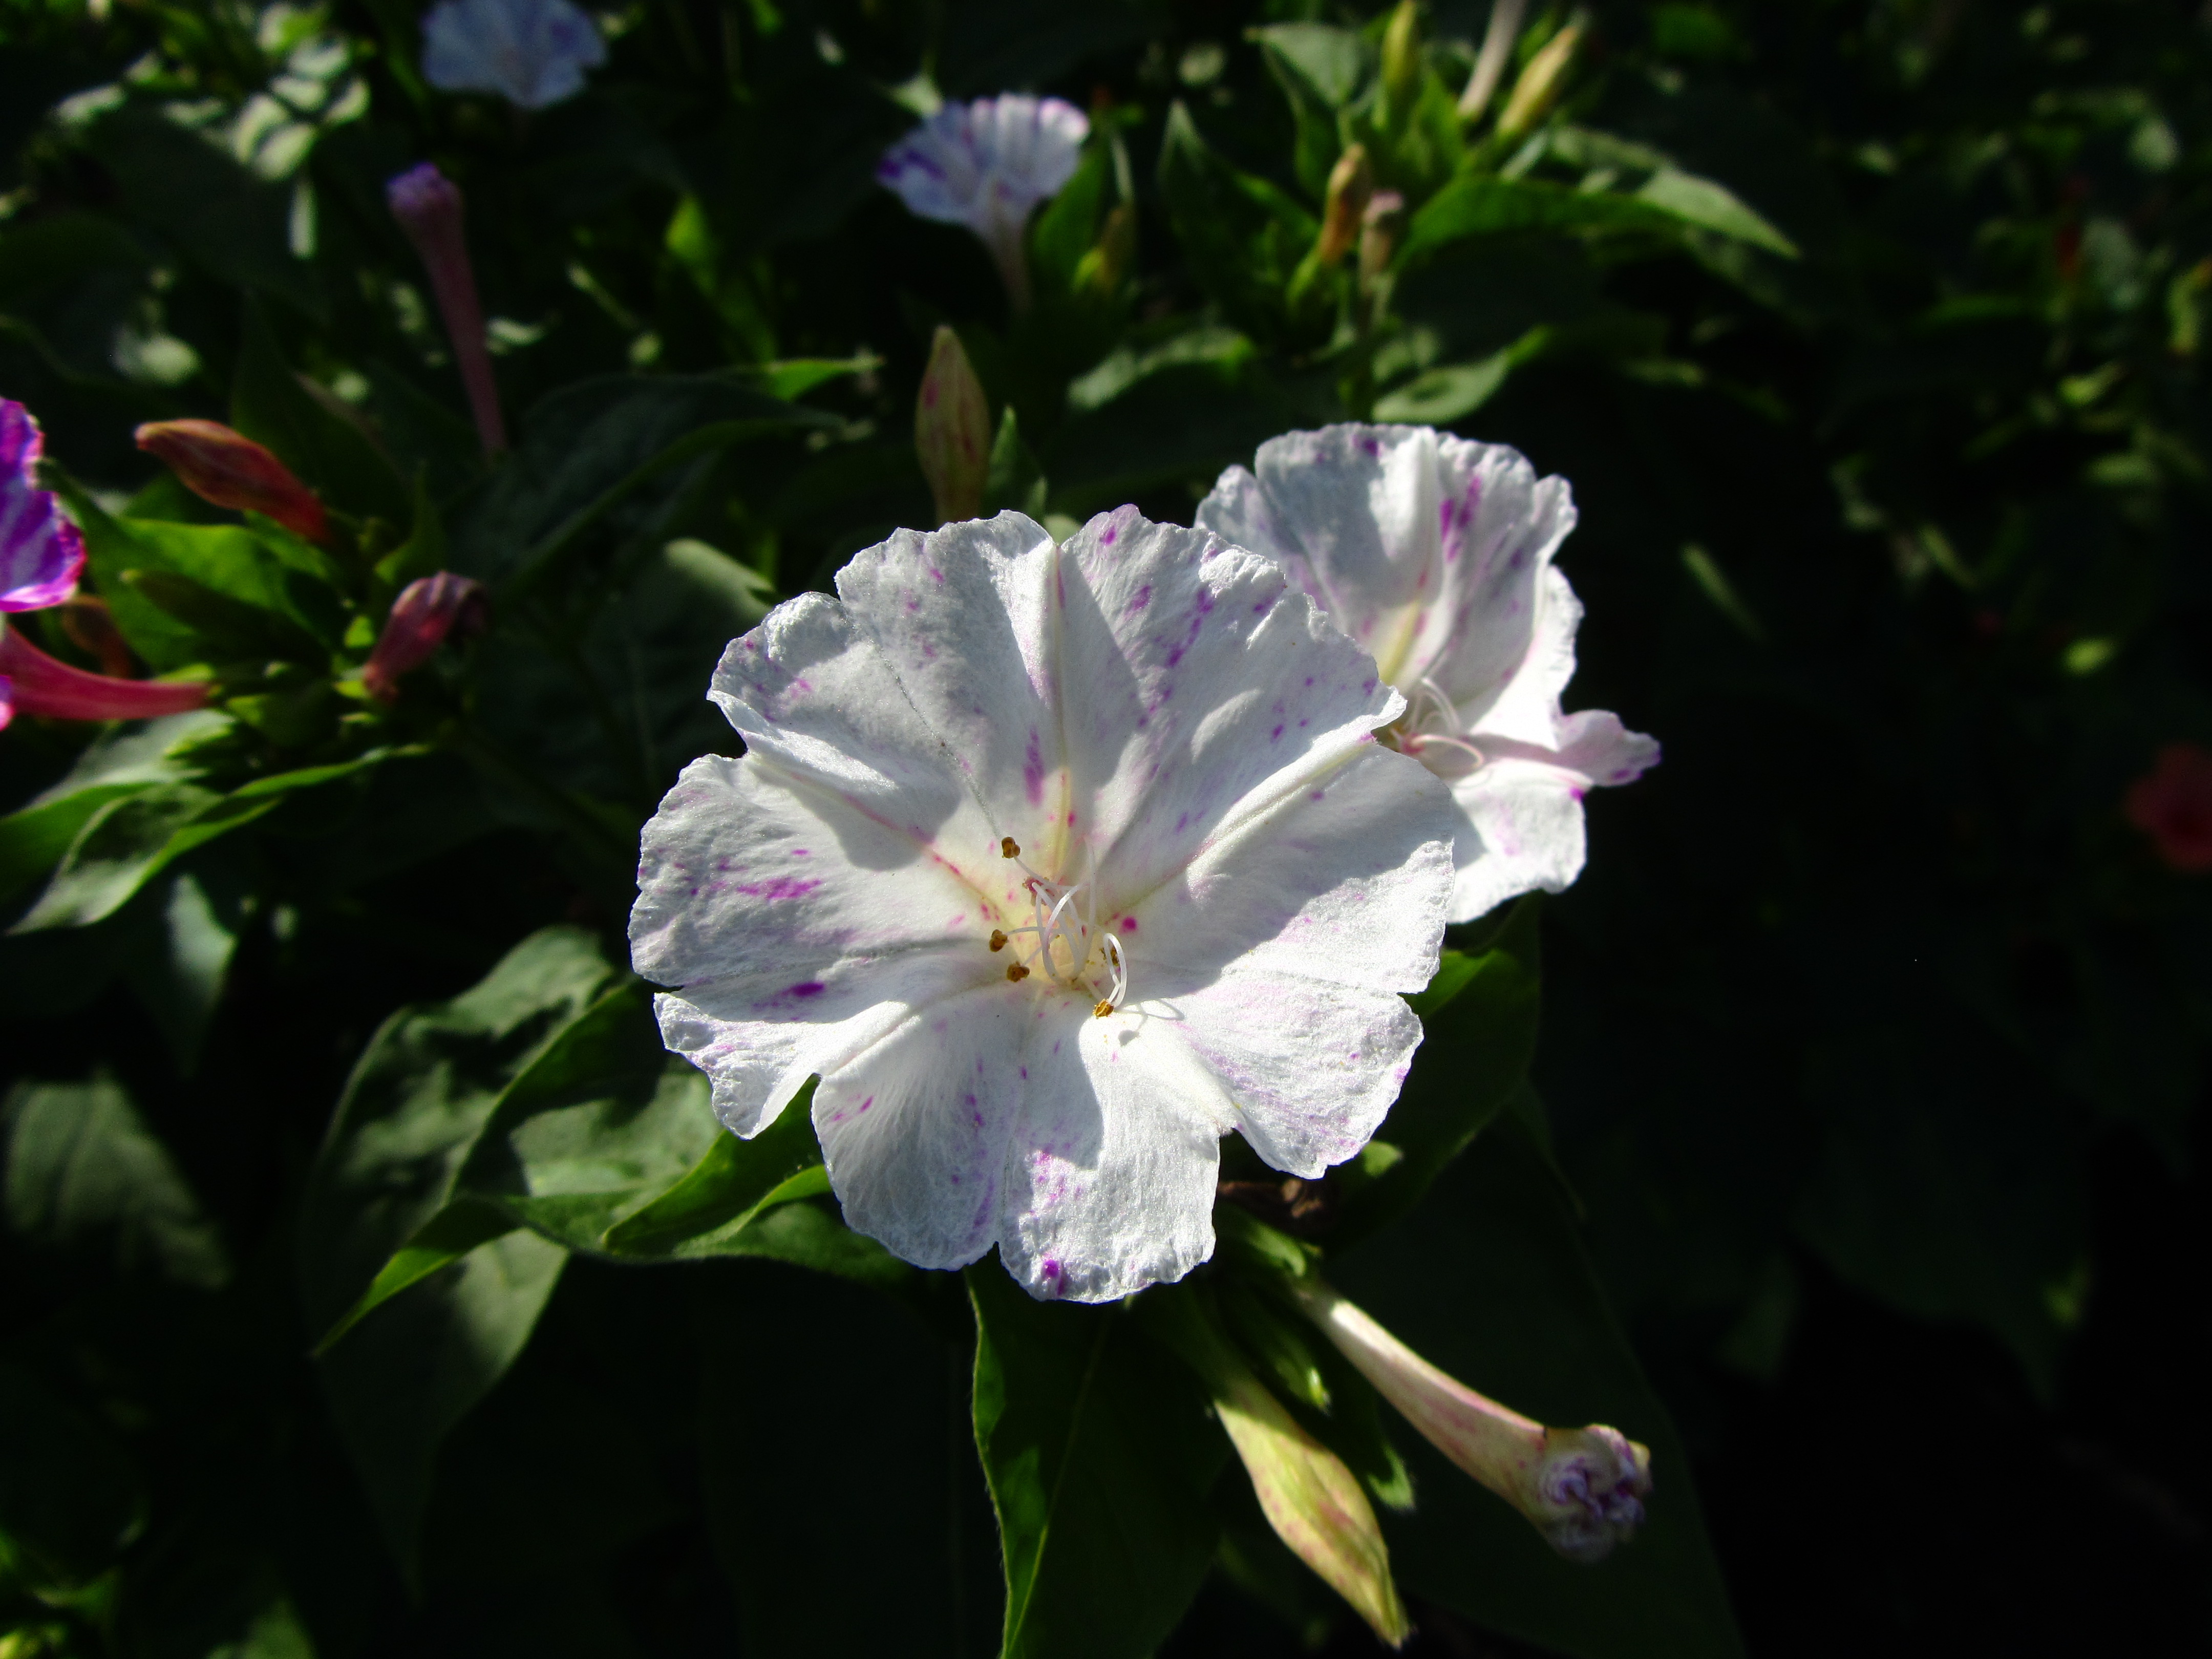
(532, 52)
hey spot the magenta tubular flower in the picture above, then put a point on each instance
(1584, 1489)
(41, 552)
(425, 613)
(33, 682)
(230, 470)
(428, 206)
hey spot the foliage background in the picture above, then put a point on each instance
(1871, 1038)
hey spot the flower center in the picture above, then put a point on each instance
(1063, 940)
(1429, 720)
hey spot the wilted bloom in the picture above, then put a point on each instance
(987, 165)
(2174, 806)
(1583, 1488)
(1055, 863)
(33, 682)
(229, 469)
(41, 552)
(1435, 554)
(426, 611)
(530, 52)
(952, 430)
(428, 206)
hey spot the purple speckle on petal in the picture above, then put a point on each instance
(811, 987)
(779, 887)
(1033, 769)
(1128, 924)
(1140, 598)
(1275, 736)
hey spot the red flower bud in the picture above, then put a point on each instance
(2173, 807)
(33, 682)
(425, 613)
(229, 469)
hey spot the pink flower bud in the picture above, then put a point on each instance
(229, 469)
(33, 682)
(2173, 807)
(1584, 1489)
(426, 611)
(428, 206)
(952, 430)
(41, 553)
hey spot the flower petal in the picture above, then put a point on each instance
(915, 1127)
(1110, 1178)
(41, 552)
(1201, 691)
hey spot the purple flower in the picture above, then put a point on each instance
(530, 52)
(41, 553)
(987, 165)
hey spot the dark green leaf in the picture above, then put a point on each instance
(70, 1501)
(85, 1173)
(1242, 237)
(1099, 1454)
(311, 431)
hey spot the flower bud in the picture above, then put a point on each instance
(91, 627)
(426, 611)
(1490, 62)
(1402, 59)
(229, 469)
(1310, 1498)
(1582, 1488)
(428, 206)
(2173, 807)
(33, 682)
(41, 552)
(1351, 183)
(1540, 83)
(1378, 236)
(952, 430)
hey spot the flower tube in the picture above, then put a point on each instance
(1584, 1489)
(987, 165)
(33, 682)
(426, 611)
(428, 206)
(1435, 553)
(41, 552)
(230, 470)
(1055, 863)
(530, 52)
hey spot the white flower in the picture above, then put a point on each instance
(1056, 863)
(532, 52)
(987, 165)
(1435, 554)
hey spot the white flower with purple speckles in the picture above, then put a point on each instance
(41, 552)
(1435, 554)
(1056, 863)
(987, 165)
(530, 52)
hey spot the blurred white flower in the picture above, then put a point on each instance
(532, 52)
(1055, 863)
(987, 165)
(1435, 554)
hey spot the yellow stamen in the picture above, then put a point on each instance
(998, 940)
(1009, 848)
(1103, 1009)
(1016, 972)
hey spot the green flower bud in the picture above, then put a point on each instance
(1541, 82)
(952, 430)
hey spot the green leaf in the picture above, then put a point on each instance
(1481, 1034)
(1670, 202)
(70, 1501)
(1068, 225)
(1709, 205)
(1016, 479)
(224, 629)
(418, 1100)
(1242, 236)
(1488, 1281)
(733, 1184)
(1099, 1454)
(33, 841)
(86, 1174)
(193, 923)
(794, 377)
(311, 431)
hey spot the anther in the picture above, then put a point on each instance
(998, 940)
(1009, 848)
(1103, 1009)
(1016, 972)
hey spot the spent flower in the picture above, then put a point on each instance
(1435, 554)
(1055, 863)
(427, 610)
(428, 207)
(987, 165)
(41, 552)
(530, 52)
